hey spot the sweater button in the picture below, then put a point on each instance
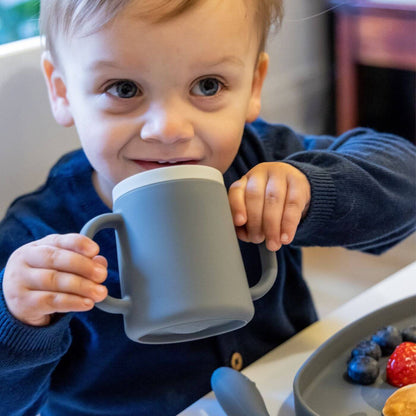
(236, 361)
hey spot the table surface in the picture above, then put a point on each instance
(274, 373)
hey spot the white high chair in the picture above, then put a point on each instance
(30, 139)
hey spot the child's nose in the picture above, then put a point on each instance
(166, 124)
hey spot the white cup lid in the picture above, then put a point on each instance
(164, 174)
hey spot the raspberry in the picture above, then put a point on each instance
(401, 367)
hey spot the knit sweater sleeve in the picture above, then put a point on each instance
(363, 190)
(28, 355)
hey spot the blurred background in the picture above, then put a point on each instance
(334, 65)
(18, 19)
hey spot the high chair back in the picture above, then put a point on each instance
(30, 139)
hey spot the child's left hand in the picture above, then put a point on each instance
(268, 203)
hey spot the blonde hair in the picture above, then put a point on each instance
(82, 17)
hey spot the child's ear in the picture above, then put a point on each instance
(57, 91)
(260, 72)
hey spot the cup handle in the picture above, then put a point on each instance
(269, 272)
(92, 227)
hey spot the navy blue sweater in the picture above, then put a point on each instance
(363, 197)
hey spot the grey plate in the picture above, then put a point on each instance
(320, 387)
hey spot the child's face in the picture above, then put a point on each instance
(144, 95)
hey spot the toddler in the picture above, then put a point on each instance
(151, 83)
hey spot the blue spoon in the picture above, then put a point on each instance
(237, 395)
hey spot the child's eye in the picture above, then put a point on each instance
(123, 89)
(207, 87)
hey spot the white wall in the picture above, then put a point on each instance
(297, 89)
(30, 139)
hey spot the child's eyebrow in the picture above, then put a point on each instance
(94, 65)
(229, 59)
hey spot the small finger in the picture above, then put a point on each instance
(50, 257)
(48, 303)
(100, 275)
(242, 234)
(272, 212)
(74, 242)
(54, 281)
(237, 202)
(254, 199)
(292, 214)
(101, 260)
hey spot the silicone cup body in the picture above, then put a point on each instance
(181, 271)
(116, 305)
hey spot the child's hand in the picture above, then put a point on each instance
(59, 273)
(268, 203)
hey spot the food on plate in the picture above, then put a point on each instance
(402, 402)
(363, 369)
(409, 334)
(401, 366)
(367, 347)
(388, 338)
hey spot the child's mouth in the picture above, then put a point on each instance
(150, 164)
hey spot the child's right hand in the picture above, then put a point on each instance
(59, 273)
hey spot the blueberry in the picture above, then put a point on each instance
(367, 347)
(363, 369)
(388, 338)
(409, 334)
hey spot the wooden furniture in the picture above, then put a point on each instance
(369, 32)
